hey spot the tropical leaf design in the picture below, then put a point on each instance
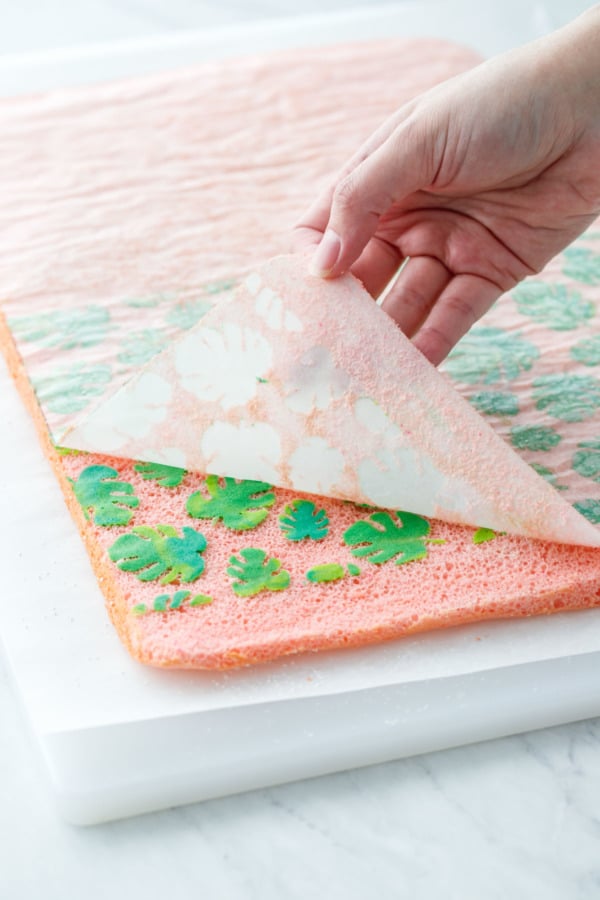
(70, 390)
(489, 355)
(548, 475)
(590, 509)
(483, 535)
(582, 265)
(495, 403)
(326, 572)
(155, 552)
(255, 572)
(572, 398)
(554, 305)
(166, 602)
(187, 313)
(166, 476)
(380, 538)
(302, 520)
(149, 301)
(100, 493)
(241, 505)
(586, 460)
(534, 437)
(141, 346)
(587, 351)
(63, 329)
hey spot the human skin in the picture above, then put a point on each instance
(478, 182)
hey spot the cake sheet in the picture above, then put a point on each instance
(306, 384)
(89, 302)
(119, 227)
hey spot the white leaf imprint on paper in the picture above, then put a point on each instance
(315, 466)
(247, 450)
(129, 414)
(372, 416)
(399, 477)
(271, 308)
(315, 381)
(253, 282)
(223, 366)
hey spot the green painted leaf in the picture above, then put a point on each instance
(110, 501)
(166, 476)
(353, 569)
(548, 475)
(488, 355)
(219, 287)
(201, 600)
(140, 346)
(139, 609)
(587, 351)
(380, 539)
(70, 390)
(534, 437)
(572, 398)
(160, 603)
(302, 520)
(326, 572)
(240, 505)
(188, 313)
(256, 572)
(63, 329)
(590, 509)
(495, 403)
(178, 599)
(150, 301)
(582, 265)
(554, 305)
(586, 460)
(69, 451)
(155, 552)
(482, 535)
(165, 603)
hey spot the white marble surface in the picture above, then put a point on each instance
(511, 818)
(516, 817)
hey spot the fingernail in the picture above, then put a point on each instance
(326, 254)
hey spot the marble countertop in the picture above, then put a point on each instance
(516, 817)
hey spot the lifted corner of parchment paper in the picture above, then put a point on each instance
(308, 385)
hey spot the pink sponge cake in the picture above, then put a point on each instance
(202, 571)
(138, 221)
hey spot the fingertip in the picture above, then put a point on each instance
(326, 255)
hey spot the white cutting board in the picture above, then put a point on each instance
(118, 738)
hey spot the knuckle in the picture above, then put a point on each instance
(346, 195)
(413, 299)
(462, 308)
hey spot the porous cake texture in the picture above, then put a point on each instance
(153, 198)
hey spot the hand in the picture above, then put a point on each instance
(478, 183)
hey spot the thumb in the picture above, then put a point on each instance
(404, 163)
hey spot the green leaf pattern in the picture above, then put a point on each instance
(554, 305)
(166, 476)
(488, 355)
(159, 553)
(240, 505)
(254, 572)
(99, 492)
(381, 538)
(302, 520)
